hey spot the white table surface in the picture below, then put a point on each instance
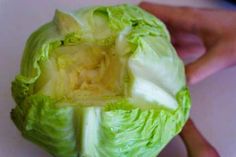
(214, 99)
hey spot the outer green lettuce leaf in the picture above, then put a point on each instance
(37, 49)
(118, 129)
(141, 132)
(52, 127)
(122, 129)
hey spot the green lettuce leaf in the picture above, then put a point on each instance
(47, 125)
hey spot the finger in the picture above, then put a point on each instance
(190, 132)
(183, 18)
(188, 46)
(189, 51)
(195, 142)
(216, 59)
(183, 37)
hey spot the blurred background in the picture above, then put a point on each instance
(214, 99)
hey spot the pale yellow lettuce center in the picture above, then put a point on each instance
(82, 71)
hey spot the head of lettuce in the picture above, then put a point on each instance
(101, 82)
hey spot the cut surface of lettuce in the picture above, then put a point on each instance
(100, 82)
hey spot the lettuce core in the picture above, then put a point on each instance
(83, 71)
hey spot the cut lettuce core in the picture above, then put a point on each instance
(81, 71)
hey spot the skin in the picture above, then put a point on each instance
(208, 37)
(195, 143)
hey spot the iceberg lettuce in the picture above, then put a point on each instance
(101, 82)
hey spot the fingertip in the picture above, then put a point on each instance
(191, 81)
(194, 74)
(213, 61)
(188, 75)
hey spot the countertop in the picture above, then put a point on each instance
(214, 99)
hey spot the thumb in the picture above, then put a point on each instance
(216, 59)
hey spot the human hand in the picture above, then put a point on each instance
(196, 144)
(210, 33)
